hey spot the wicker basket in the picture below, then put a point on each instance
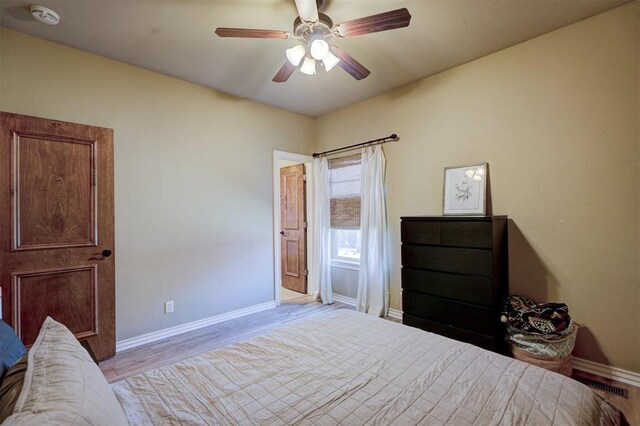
(563, 366)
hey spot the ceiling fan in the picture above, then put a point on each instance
(313, 30)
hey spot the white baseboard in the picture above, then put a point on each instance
(123, 345)
(393, 313)
(344, 299)
(608, 372)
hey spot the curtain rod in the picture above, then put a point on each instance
(391, 138)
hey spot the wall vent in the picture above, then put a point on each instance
(603, 387)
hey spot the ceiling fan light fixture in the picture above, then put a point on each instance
(319, 49)
(308, 66)
(330, 61)
(295, 54)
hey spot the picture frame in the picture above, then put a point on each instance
(465, 190)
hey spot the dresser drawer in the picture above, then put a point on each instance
(469, 317)
(485, 342)
(446, 259)
(420, 232)
(466, 288)
(467, 234)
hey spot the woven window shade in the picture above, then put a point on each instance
(345, 192)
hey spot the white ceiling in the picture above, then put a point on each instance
(175, 37)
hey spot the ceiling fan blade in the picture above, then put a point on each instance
(350, 65)
(285, 72)
(370, 24)
(308, 10)
(250, 33)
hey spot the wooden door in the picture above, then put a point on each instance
(56, 228)
(293, 241)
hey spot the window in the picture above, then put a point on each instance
(345, 244)
(344, 183)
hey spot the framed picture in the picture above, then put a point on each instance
(465, 190)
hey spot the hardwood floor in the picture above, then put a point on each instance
(286, 294)
(173, 349)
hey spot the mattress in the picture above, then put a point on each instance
(344, 367)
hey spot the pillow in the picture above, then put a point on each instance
(62, 384)
(11, 348)
(11, 387)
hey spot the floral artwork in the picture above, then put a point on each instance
(464, 189)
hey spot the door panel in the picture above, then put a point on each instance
(39, 293)
(56, 218)
(291, 180)
(54, 192)
(292, 265)
(292, 229)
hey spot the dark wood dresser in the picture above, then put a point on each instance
(455, 276)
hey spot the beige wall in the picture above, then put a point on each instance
(193, 177)
(557, 120)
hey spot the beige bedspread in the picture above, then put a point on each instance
(349, 368)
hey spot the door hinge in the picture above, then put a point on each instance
(306, 272)
(304, 178)
(305, 224)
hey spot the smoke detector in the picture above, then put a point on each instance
(45, 15)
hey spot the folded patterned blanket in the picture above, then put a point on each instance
(526, 315)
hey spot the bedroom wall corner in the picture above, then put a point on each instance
(557, 119)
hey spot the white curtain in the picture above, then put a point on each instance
(373, 279)
(320, 232)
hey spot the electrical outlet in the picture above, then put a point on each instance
(168, 306)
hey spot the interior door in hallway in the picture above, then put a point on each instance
(293, 228)
(56, 228)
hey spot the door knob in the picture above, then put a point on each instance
(106, 253)
(281, 232)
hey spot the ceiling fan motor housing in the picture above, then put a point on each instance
(321, 29)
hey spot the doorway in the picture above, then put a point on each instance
(290, 226)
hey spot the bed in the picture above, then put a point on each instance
(344, 367)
